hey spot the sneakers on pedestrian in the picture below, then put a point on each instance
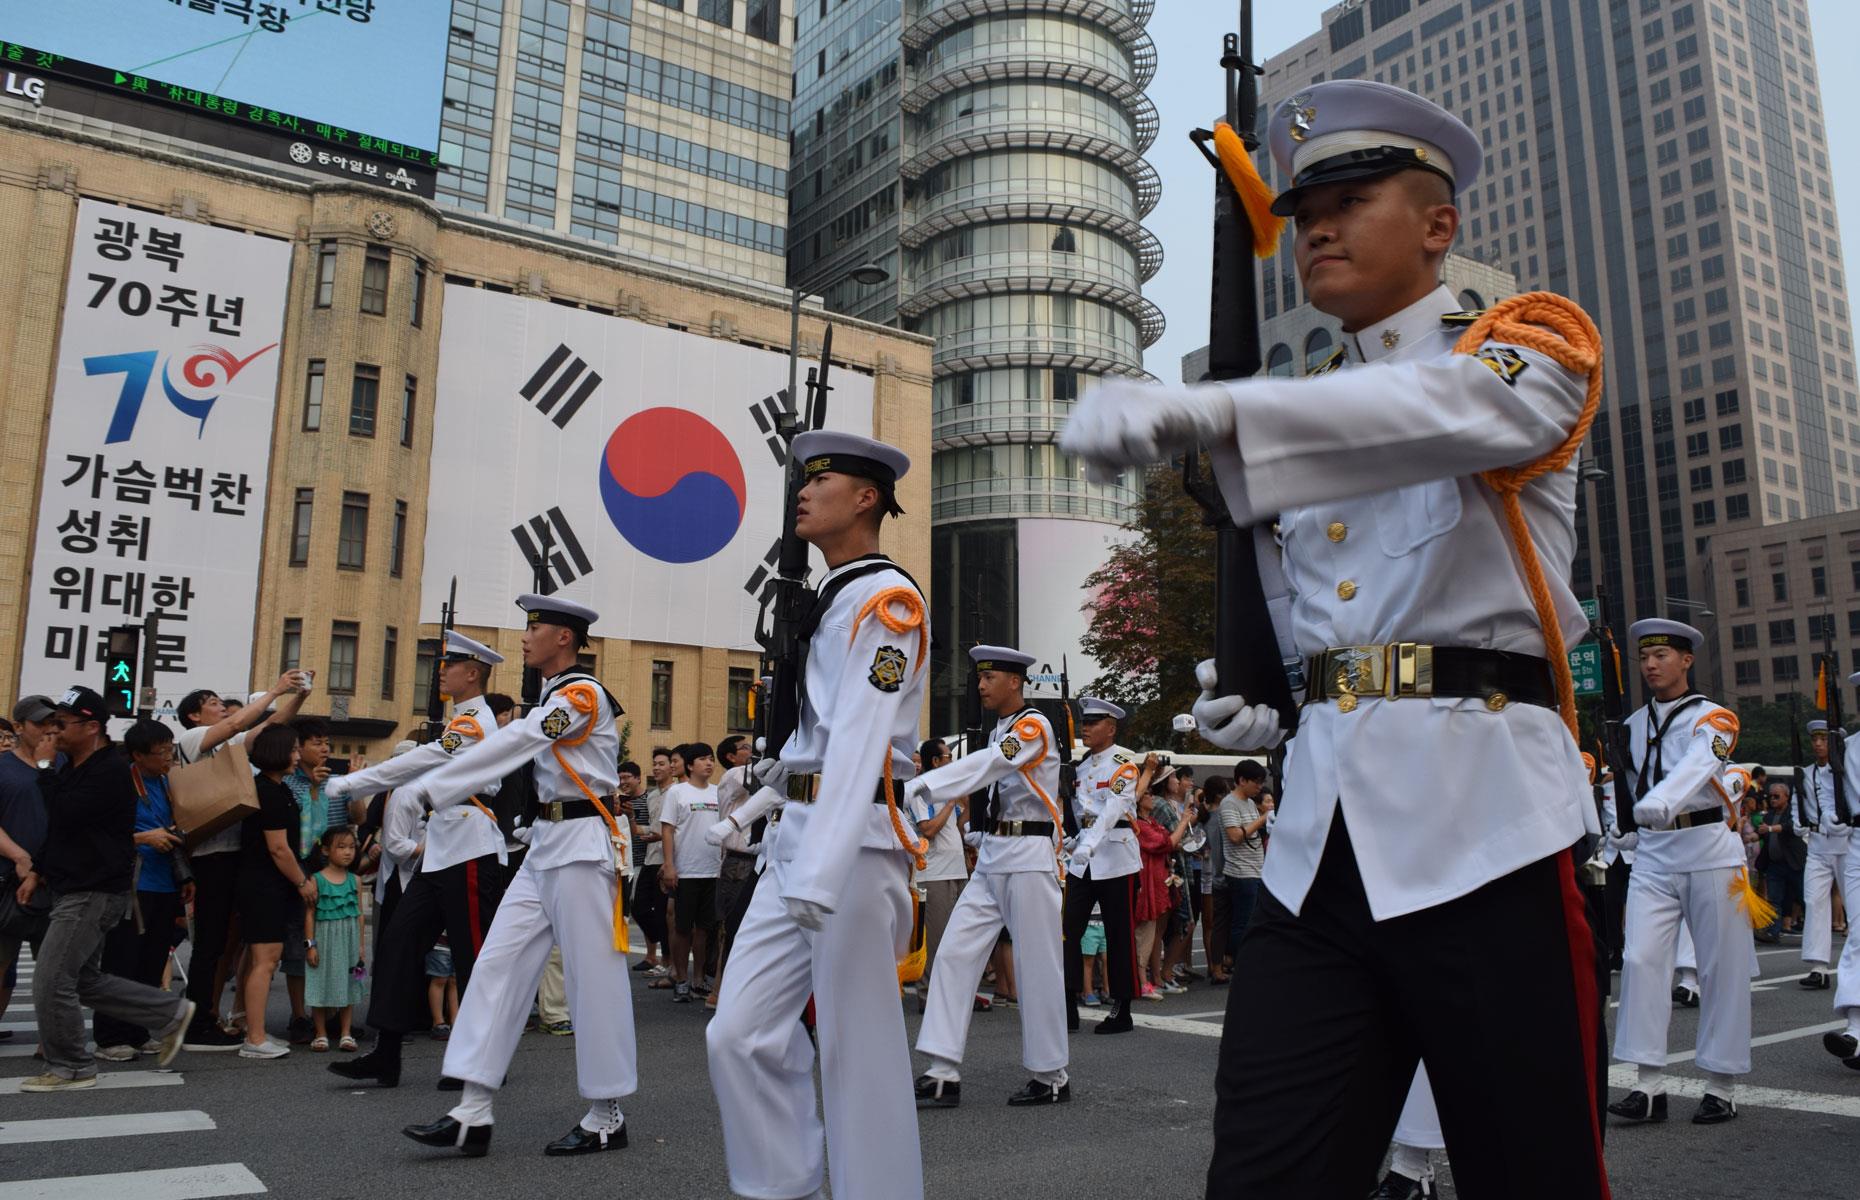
(1090, 1000)
(57, 1083)
(206, 1037)
(442, 1032)
(152, 1046)
(264, 1049)
(559, 1028)
(117, 1053)
(300, 1031)
(1172, 988)
(170, 1043)
(657, 971)
(681, 993)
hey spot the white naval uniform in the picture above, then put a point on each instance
(1412, 560)
(564, 892)
(1687, 874)
(1016, 885)
(1106, 795)
(1419, 1125)
(455, 834)
(1618, 846)
(863, 690)
(1828, 857)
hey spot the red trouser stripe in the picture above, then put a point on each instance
(471, 906)
(1582, 977)
(1136, 968)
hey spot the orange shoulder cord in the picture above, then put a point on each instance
(469, 726)
(1030, 730)
(885, 607)
(1572, 340)
(587, 701)
(1758, 911)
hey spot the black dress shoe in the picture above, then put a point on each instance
(1843, 1046)
(1816, 981)
(1041, 1093)
(473, 1141)
(1400, 1187)
(937, 1093)
(1714, 1111)
(368, 1066)
(1119, 1021)
(1685, 997)
(586, 1141)
(1638, 1106)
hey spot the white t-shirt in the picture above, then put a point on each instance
(944, 859)
(690, 811)
(655, 806)
(187, 750)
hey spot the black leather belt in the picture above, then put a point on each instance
(1122, 823)
(1021, 828)
(739, 854)
(566, 810)
(803, 788)
(1698, 817)
(1399, 670)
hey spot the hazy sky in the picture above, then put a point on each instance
(1187, 92)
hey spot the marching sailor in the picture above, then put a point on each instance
(1423, 487)
(1016, 885)
(568, 891)
(1689, 865)
(1845, 1044)
(1104, 863)
(833, 917)
(460, 875)
(1828, 860)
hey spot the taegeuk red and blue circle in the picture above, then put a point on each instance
(673, 485)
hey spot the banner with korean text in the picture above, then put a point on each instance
(627, 466)
(152, 494)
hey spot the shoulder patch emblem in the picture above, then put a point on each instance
(451, 740)
(556, 723)
(887, 674)
(1010, 746)
(1117, 784)
(1720, 747)
(1505, 362)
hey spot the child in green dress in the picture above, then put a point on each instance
(333, 925)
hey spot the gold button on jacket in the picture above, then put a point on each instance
(1337, 531)
(1346, 590)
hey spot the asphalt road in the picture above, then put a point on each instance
(1139, 1123)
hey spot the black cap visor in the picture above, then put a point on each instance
(1354, 164)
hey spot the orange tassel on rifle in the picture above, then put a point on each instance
(1758, 911)
(1255, 197)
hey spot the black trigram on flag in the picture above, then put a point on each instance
(562, 374)
(552, 548)
(759, 580)
(768, 413)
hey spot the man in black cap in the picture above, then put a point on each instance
(88, 862)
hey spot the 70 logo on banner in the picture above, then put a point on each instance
(138, 367)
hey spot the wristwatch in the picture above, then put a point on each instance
(309, 943)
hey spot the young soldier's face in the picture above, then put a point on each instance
(1821, 747)
(1663, 668)
(998, 689)
(832, 503)
(1365, 246)
(1097, 732)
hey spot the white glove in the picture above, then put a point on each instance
(523, 833)
(973, 839)
(1651, 813)
(913, 788)
(722, 829)
(1070, 844)
(337, 788)
(1229, 721)
(770, 773)
(1082, 852)
(1125, 423)
(808, 914)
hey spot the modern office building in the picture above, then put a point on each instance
(1777, 595)
(659, 127)
(1665, 164)
(989, 154)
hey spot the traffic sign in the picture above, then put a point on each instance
(1585, 668)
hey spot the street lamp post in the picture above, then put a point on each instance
(869, 274)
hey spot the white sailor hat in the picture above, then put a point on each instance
(1817, 726)
(1001, 658)
(1092, 706)
(555, 610)
(821, 450)
(458, 646)
(1658, 631)
(1357, 129)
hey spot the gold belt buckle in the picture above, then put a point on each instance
(552, 811)
(1411, 670)
(801, 788)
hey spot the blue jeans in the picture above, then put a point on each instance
(1242, 895)
(1782, 886)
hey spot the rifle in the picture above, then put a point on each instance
(1246, 651)
(789, 598)
(435, 701)
(1068, 771)
(1798, 786)
(1837, 732)
(1620, 752)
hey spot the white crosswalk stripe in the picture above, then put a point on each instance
(167, 1183)
(66, 1129)
(115, 1081)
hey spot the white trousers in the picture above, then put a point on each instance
(572, 905)
(1686, 957)
(1028, 904)
(761, 1061)
(1847, 977)
(1419, 1125)
(1818, 876)
(1656, 902)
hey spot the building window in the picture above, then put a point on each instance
(291, 651)
(352, 540)
(1853, 623)
(1818, 580)
(1749, 673)
(364, 400)
(1705, 512)
(1736, 508)
(715, 11)
(425, 653)
(313, 396)
(375, 280)
(1740, 590)
(344, 636)
(390, 651)
(326, 273)
(1854, 568)
(1279, 361)
(1779, 587)
(397, 546)
(1821, 627)
(300, 526)
(1317, 349)
(1782, 633)
(661, 694)
(742, 679)
(419, 293)
(1743, 637)
(764, 20)
(407, 398)
(1785, 669)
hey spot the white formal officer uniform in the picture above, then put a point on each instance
(1688, 865)
(1015, 885)
(1104, 862)
(1107, 795)
(1817, 814)
(563, 893)
(832, 915)
(1847, 977)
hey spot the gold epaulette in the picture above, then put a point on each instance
(1330, 364)
(1459, 320)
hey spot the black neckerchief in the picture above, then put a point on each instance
(1656, 743)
